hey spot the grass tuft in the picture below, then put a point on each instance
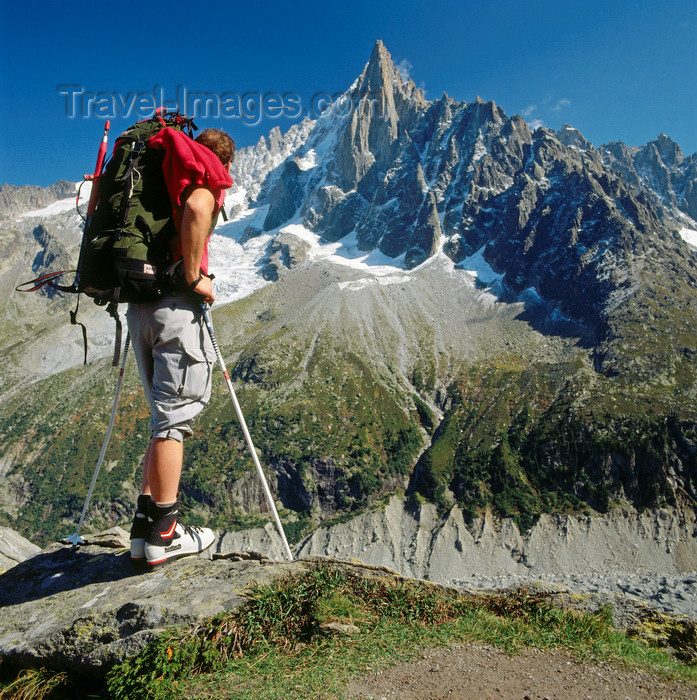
(35, 684)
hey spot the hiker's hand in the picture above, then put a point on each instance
(205, 289)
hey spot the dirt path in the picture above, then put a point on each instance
(479, 672)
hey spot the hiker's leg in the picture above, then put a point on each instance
(162, 466)
(175, 364)
(165, 537)
(162, 469)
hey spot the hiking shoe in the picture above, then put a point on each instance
(139, 529)
(168, 539)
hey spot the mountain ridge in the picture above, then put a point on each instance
(446, 304)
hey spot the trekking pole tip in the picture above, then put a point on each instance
(75, 540)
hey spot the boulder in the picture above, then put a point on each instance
(14, 549)
(84, 609)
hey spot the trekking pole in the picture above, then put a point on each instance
(209, 324)
(75, 539)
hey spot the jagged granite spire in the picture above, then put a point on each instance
(384, 106)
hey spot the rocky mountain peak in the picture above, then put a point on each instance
(411, 177)
(379, 71)
(361, 142)
(661, 168)
(381, 87)
(669, 151)
(382, 76)
(384, 106)
(570, 136)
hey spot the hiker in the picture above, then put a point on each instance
(173, 349)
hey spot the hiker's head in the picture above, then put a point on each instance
(220, 143)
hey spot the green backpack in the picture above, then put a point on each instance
(125, 253)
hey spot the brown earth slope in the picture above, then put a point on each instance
(471, 671)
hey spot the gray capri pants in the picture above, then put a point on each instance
(175, 359)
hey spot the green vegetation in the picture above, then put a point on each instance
(523, 432)
(520, 436)
(525, 438)
(340, 427)
(61, 432)
(278, 645)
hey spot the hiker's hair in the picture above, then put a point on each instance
(219, 142)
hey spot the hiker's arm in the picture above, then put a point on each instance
(196, 224)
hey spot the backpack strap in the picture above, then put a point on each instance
(75, 322)
(47, 280)
(128, 184)
(113, 310)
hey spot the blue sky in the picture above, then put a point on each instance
(615, 70)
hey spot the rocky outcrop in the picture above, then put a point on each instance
(286, 251)
(660, 167)
(253, 164)
(85, 609)
(572, 137)
(14, 549)
(286, 196)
